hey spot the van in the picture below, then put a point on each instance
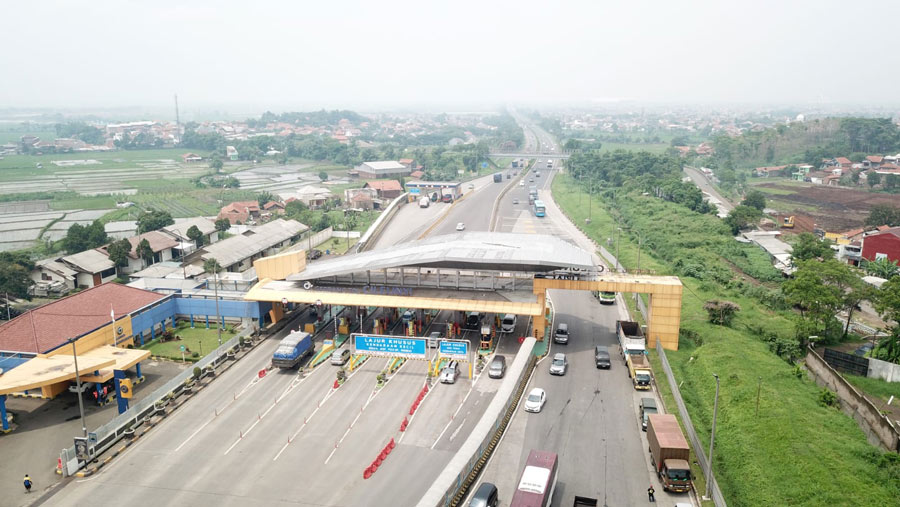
(473, 320)
(508, 324)
(485, 496)
(498, 367)
(648, 406)
(601, 356)
(340, 357)
(450, 373)
(433, 339)
(562, 334)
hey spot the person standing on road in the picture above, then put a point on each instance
(650, 492)
(27, 483)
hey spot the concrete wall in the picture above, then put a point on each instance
(371, 235)
(878, 429)
(884, 370)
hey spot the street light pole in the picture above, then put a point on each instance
(618, 230)
(216, 289)
(712, 438)
(78, 386)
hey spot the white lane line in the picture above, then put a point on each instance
(309, 418)
(456, 432)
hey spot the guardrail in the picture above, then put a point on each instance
(716, 493)
(451, 486)
(110, 433)
(372, 233)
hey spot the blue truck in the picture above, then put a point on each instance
(292, 349)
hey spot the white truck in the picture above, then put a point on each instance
(424, 202)
(631, 338)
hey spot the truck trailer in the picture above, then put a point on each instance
(292, 349)
(631, 338)
(669, 452)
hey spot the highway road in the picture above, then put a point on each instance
(722, 204)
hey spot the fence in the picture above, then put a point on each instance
(111, 432)
(884, 370)
(715, 492)
(848, 363)
(878, 429)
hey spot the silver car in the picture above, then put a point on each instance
(559, 364)
(450, 373)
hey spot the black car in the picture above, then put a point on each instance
(313, 254)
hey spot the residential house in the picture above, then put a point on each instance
(885, 169)
(240, 212)
(817, 177)
(237, 253)
(189, 158)
(361, 198)
(161, 244)
(92, 267)
(387, 189)
(418, 175)
(872, 162)
(312, 196)
(705, 149)
(410, 163)
(765, 172)
(231, 153)
(179, 231)
(844, 162)
(801, 173)
(52, 277)
(884, 244)
(273, 207)
(381, 169)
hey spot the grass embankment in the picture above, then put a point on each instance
(876, 389)
(796, 452)
(195, 340)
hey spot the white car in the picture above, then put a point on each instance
(460, 226)
(535, 400)
(450, 373)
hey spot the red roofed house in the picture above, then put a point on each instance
(408, 162)
(274, 207)
(884, 244)
(872, 161)
(240, 212)
(387, 189)
(417, 175)
(844, 162)
(50, 326)
(191, 157)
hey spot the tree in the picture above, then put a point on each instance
(14, 279)
(721, 312)
(742, 217)
(222, 224)
(883, 214)
(217, 164)
(195, 235)
(263, 197)
(118, 252)
(808, 247)
(755, 199)
(145, 252)
(323, 175)
(821, 290)
(873, 178)
(882, 268)
(887, 302)
(80, 238)
(154, 221)
(211, 265)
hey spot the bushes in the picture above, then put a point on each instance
(721, 313)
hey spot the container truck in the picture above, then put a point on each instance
(631, 338)
(639, 371)
(669, 452)
(292, 349)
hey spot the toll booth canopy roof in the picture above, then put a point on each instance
(490, 251)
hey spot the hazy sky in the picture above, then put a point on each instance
(368, 54)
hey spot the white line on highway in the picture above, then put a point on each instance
(450, 422)
(318, 406)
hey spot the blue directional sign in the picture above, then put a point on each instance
(390, 346)
(484, 164)
(414, 191)
(458, 349)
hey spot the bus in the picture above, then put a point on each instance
(538, 480)
(538, 208)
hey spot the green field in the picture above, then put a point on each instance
(17, 167)
(199, 339)
(652, 147)
(876, 388)
(10, 136)
(796, 452)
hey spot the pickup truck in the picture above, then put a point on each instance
(292, 349)
(669, 452)
(639, 371)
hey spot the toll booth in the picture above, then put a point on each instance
(487, 337)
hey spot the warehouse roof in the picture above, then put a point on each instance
(70, 317)
(237, 248)
(469, 250)
(385, 165)
(89, 261)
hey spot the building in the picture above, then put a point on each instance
(190, 158)
(240, 212)
(361, 198)
(273, 207)
(231, 153)
(92, 268)
(765, 172)
(52, 278)
(237, 253)
(417, 174)
(884, 244)
(383, 169)
(408, 162)
(386, 189)
(312, 196)
(161, 244)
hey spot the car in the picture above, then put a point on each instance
(485, 496)
(450, 373)
(522, 183)
(535, 400)
(601, 356)
(340, 357)
(85, 387)
(508, 324)
(559, 364)
(530, 180)
(562, 334)
(460, 226)
(648, 406)
(515, 201)
(497, 367)
(313, 254)
(434, 339)
(471, 186)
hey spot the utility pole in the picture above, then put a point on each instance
(177, 117)
(78, 386)
(618, 230)
(218, 317)
(712, 438)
